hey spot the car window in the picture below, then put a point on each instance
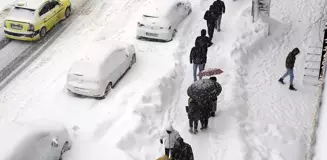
(45, 9)
(53, 4)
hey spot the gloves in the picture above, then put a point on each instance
(161, 141)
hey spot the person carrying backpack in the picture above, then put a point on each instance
(219, 9)
(210, 17)
(182, 150)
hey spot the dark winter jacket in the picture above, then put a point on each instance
(182, 151)
(203, 40)
(219, 7)
(198, 55)
(206, 109)
(290, 60)
(210, 16)
(193, 110)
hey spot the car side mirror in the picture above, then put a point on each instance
(54, 143)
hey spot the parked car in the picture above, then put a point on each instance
(99, 70)
(31, 19)
(161, 20)
(34, 140)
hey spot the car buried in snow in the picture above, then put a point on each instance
(34, 140)
(99, 70)
(30, 20)
(160, 22)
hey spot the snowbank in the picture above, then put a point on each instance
(321, 133)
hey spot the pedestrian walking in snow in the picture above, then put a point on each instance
(198, 57)
(204, 42)
(210, 17)
(290, 61)
(194, 115)
(182, 150)
(219, 9)
(169, 138)
(206, 108)
(214, 102)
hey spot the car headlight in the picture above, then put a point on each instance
(140, 24)
(30, 27)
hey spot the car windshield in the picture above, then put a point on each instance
(23, 13)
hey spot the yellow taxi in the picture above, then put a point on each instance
(30, 20)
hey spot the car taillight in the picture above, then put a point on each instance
(30, 27)
(140, 24)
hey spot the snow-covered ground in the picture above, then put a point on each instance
(257, 117)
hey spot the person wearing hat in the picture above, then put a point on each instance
(169, 139)
(182, 150)
(290, 61)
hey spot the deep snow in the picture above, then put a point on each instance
(127, 124)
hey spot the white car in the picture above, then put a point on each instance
(34, 140)
(105, 63)
(162, 20)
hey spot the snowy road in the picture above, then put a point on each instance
(15, 56)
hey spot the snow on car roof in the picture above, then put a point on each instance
(97, 51)
(159, 9)
(13, 134)
(30, 4)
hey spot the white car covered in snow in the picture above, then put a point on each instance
(161, 20)
(105, 63)
(35, 140)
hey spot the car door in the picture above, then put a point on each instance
(115, 64)
(45, 15)
(54, 9)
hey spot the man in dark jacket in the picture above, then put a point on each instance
(219, 9)
(182, 151)
(204, 42)
(193, 113)
(198, 57)
(290, 61)
(210, 17)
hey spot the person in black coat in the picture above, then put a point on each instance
(219, 9)
(194, 115)
(204, 42)
(198, 57)
(206, 108)
(210, 17)
(182, 150)
(214, 103)
(290, 61)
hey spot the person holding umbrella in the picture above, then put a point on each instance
(215, 99)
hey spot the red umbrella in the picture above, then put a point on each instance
(210, 72)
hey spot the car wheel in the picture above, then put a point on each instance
(67, 12)
(109, 87)
(133, 61)
(43, 32)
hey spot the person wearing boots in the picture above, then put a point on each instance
(169, 139)
(290, 61)
(182, 150)
(193, 113)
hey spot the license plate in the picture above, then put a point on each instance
(14, 26)
(151, 34)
